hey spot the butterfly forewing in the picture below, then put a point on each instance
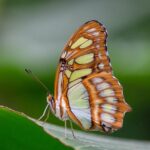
(85, 88)
(87, 48)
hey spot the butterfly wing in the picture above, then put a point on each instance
(87, 103)
(86, 49)
(98, 102)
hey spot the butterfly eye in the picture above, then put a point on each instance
(50, 101)
(49, 98)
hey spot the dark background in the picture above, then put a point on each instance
(33, 34)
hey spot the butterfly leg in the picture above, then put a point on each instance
(44, 112)
(47, 116)
(72, 129)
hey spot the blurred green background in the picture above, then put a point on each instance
(33, 34)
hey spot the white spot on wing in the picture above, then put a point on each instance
(109, 108)
(101, 66)
(107, 53)
(111, 99)
(95, 33)
(91, 30)
(97, 46)
(99, 55)
(107, 92)
(97, 80)
(102, 86)
(107, 118)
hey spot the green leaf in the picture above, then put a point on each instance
(18, 131)
(89, 141)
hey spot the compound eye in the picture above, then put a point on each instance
(51, 102)
(49, 98)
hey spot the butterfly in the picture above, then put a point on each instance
(86, 91)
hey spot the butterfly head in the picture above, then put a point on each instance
(51, 102)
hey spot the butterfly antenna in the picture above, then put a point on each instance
(28, 71)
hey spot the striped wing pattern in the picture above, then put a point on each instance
(85, 88)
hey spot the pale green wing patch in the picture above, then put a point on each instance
(78, 96)
(80, 73)
(79, 103)
(85, 59)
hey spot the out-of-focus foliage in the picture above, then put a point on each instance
(33, 33)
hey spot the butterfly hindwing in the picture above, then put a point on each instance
(106, 101)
